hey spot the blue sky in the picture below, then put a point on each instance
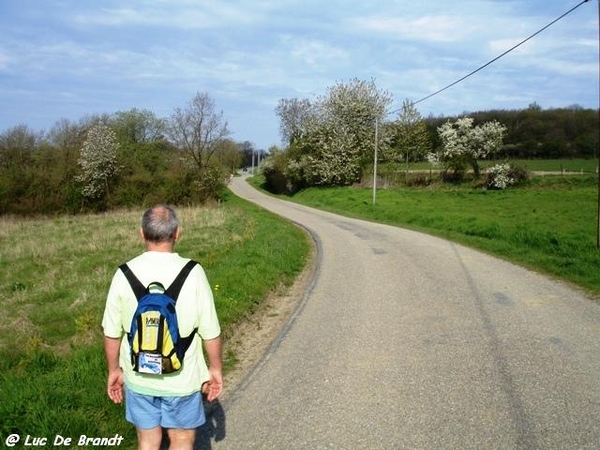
(71, 58)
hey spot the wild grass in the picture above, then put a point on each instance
(534, 165)
(547, 224)
(54, 275)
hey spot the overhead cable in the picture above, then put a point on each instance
(498, 57)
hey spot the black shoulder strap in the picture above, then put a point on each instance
(173, 290)
(138, 288)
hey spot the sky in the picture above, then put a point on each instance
(68, 59)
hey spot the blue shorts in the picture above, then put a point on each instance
(146, 411)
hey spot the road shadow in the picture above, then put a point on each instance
(212, 430)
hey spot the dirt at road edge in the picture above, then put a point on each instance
(251, 339)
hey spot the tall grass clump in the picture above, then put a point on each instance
(54, 276)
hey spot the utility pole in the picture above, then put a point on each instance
(598, 144)
(375, 158)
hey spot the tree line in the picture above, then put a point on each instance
(536, 133)
(132, 158)
(129, 158)
(333, 139)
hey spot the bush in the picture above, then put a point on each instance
(274, 170)
(210, 184)
(518, 173)
(454, 177)
(419, 180)
(503, 175)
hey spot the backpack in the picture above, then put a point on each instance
(156, 346)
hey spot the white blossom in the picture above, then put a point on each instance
(499, 176)
(464, 144)
(98, 161)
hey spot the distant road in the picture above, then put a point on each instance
(407, 341)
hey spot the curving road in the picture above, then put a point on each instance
(407, 341)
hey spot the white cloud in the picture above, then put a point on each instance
(192, 15)
(108, 55)
(313, 52)
(5, 59)
(438, 28)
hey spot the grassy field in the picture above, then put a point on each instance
(548, 224)
(534, 165)
(54, 275)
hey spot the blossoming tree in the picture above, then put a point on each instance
(332, 139)
(464, 144)
(98, 161)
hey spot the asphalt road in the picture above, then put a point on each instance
(407, 341)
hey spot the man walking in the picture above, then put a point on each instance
(167, 401)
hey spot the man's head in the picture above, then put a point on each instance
(160, 225)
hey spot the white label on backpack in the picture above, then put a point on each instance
(150, 363)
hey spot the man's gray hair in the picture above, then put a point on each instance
(160, 223)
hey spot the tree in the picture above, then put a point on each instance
(464, 144)
(198, 130)
(67, 138)
(137, 126)
(333, 140)
(229, 155)
(247, 151)
(295, 118)
(17, 145)
(410, 137)
(98, 161)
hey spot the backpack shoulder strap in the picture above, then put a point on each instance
(175, 287)
(138, 288)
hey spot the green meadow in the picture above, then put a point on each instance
(55, 272)
(576, 165)
(54, 275)
(547, 224)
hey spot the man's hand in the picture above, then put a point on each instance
(114, 385)
(214, 387)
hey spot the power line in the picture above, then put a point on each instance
(497, 57)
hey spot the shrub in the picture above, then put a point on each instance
(503, 175)
(210, 184)
(419, 179)
(518, 173)
(453, 176)
(274, 170)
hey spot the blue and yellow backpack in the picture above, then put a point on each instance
(157, 348)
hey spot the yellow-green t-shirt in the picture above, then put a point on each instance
(195, 309)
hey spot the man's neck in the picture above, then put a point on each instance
(166, 247)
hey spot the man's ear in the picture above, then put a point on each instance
(142, 235)
(176, 235)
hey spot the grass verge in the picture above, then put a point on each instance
(54, 275)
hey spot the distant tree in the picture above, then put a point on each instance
(229, 155)
(464, 144)
(17, 145)
(337, 139)
(295, 118)
(198, 129)
(247, 149)
(137, 126)
(98, 161)
(67, 138)
(410, 137)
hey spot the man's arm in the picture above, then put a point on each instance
(114, 385)
(213, 353)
